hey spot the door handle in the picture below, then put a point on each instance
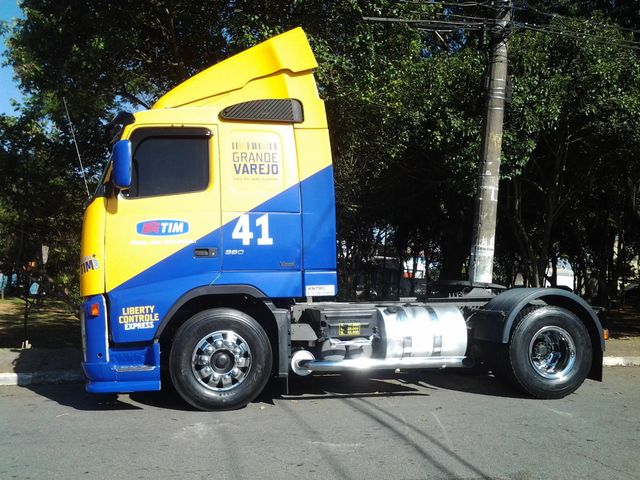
(205, 252)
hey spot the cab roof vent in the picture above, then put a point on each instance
(286, 110)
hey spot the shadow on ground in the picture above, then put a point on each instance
(622, 323)
(74, 396)
(318, 388)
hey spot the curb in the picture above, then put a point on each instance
(41, 378)
(49, 377)
(621, 361)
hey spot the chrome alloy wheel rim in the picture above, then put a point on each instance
(221, 360)
(552, 352)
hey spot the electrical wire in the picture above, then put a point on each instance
(470, 22)
(577, 35)
(426, 23)
(452, 4)
(582, 20)
(465, 17)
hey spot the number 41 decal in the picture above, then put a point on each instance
(242, 230)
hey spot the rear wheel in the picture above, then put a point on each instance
(220, 359)
(549, 353)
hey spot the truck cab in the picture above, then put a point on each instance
(230, 186)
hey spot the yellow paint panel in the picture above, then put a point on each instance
(258, 163)
(92, 249)
(288, 51)
(281, 67)
(128, 253)
(314, 150)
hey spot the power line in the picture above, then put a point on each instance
(583, 20)
(465, 17)
(577, 35)
(471, 22)
(451, 4)
(432, 23)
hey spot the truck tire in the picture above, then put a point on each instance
(220, 359)
(549, 352)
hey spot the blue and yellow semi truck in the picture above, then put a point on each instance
(216, 212)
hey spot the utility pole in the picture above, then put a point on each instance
(484, 228)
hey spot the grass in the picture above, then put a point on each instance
(50, 325)
(624, 321)
(53, 325)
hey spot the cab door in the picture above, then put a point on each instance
(162, 236)
(260, 192)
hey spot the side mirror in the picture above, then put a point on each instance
(121, 175)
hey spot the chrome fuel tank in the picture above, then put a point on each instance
(406, 337)
(422, 331)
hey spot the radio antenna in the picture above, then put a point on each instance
(75, 143)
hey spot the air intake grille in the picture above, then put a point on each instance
(286, 110)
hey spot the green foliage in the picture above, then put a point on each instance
(570, 145)
(405, 110)
(40, 204)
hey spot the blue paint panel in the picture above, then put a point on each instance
(124, 386)
(319, 221)
(264, 241)
(275, 270)
(112, 377)
(179, 265)
(319, 214)
(94, 330)
(272, 284)
(287, 201)
(160, 295)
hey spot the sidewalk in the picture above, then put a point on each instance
(622, 352)
(37, 366)
(41, 366)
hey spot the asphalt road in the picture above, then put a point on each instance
(440, 425)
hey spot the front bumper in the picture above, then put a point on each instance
(115, 369)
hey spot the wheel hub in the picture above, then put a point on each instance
(541, 350)
(552, 352)
(221, 360)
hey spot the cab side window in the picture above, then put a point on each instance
(169, 165)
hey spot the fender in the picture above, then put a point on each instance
(281, 316)
(207, 290)
(495, 321)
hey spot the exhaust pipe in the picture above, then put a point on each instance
(303, 363)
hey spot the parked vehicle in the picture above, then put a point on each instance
(216, 212)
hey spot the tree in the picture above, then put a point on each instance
(404, 110)
(570, 135)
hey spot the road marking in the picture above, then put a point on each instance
(337, 445)
(559, 412)
(444, 432)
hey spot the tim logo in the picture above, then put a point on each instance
(162, 228)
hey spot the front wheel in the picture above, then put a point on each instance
(549, 353)
(220, 359)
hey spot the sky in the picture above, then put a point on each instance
(8, 10)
